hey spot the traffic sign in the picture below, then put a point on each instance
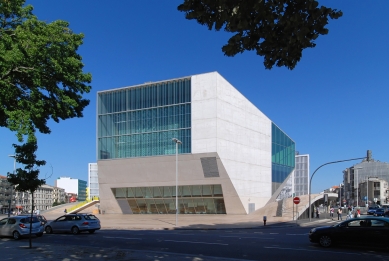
(296, 200)
(375, 200)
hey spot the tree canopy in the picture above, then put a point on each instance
(41, 73)
(278, 30)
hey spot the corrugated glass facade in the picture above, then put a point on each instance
(283, 157)
(194, 199)
(142, 120)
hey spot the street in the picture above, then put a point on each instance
(265, 243)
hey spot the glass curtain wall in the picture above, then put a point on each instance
(194, 199)
(283, 157)
(142, 120)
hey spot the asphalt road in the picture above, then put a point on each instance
(266, 243)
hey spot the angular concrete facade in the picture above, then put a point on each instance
(225, 126)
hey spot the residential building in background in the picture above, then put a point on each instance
(5, 195)
(74, 186)
(232, 160)
(59, 195)
(93, 180)
(377, 175)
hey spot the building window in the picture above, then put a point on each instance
(141, 121)
(196, 199)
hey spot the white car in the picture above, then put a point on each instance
(74, 223)
(19, 226)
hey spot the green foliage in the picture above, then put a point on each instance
(41, 75)
(27, 179)
(279, 30)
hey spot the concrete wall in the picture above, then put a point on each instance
(160, 171)
(224, 121)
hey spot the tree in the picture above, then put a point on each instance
(27, 179)
(41, 75)
(279, 30)
(41, 78)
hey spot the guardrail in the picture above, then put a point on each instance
(82, 203)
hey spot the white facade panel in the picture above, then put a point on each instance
(224, 121)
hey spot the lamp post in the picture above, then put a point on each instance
(310, 181)
(10, 202)
(340, 194)
(357, 185)
(177, 141)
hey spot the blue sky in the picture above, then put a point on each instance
(334, 104)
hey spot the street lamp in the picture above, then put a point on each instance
(310, 181)
(177, 141)
(340, 194)
(10, 202)
(357, 184)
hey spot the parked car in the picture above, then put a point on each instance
(366, 231)
(74, 223)
(379, 212)
(19, 226)
(372, 210)
(41, 218)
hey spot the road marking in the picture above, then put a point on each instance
(297, 234)
(311, 250)
(125, 238)
(196, 242)
(248, 237)
(274, 233)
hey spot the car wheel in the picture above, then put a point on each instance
(16, 235)
(91, 231)
(325, 241)
(49, 230)
(39, 234)
(75, 230)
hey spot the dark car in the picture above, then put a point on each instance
(74, 223)
(379, 212)
(366, 231)
(372, 210)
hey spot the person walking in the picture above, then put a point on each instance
(317, 212)
(332, 212)
(340, 213)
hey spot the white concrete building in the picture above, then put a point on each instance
(75, 186)
(233, 159)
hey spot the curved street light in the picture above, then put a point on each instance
(310, 181)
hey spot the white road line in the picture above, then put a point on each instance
(125, 238)
(249, 237)
(273, 233)
(297, 234)
(311, 250)
(196, 242)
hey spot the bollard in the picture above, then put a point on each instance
(264, 220)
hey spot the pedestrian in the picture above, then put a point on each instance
(332, 212)
(317, 212)
(358, 212)
(65, 211)
(349, 213)
(340, 213)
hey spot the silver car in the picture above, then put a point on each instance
(19, 226)
(74, 223)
